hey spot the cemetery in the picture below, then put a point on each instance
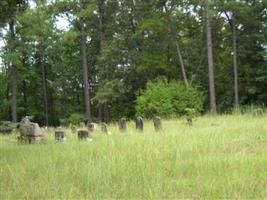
(133, 99)
(139, 159)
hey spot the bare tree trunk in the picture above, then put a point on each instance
(85, 67)
(210, 59)
(181, 62)
(14, 75)
(235, 63)
(101, 43)
(45, 91)
(178, 49)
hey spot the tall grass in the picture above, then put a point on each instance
(219, 157)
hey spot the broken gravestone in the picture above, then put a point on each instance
(60, 135)
(122, 125)
(139, 123)
(157, 124)
(30, 132)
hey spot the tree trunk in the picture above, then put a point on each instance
(235, 63)
(45, 91)
(85, 67)
(210, 59)
(177, 46)
(14, 75)
(101, 44)
(181, 62)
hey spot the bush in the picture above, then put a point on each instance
(76, 118)
(7, 127)
(168, 99)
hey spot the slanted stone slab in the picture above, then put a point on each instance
(122, 125)
(83, 135)
(139, 123)
(60, 135)
(30, 132)
(157, 124)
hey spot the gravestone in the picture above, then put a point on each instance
(122, 125)
(104, 128)
(30, 132)
(189, 121)
(157, 124)
(139, 123)
(60, 135)
(92, 127)
(83, 135)
(73, 129)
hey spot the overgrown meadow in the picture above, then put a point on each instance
(219, 157)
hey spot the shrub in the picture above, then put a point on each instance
(168, 99)
(7, 127)
(76, 118)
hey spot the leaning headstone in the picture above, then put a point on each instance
(157, 124)
(60, 135)
(104, 128)
(122, 125)
(30, 132)
(139, 123)
(83, 135)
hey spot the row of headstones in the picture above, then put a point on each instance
(85, 135)
(31, 132)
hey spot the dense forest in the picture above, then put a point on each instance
(101, 63)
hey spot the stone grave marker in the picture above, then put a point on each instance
(139, 123)
(157, 124)
(83, 135)
(60, 135)
(122, 125)
(30, 132)
(104, 128)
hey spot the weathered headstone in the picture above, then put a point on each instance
(189, 121)
(73, 129)
(92, 127)
(30, 132)
(157, 124)
(104, 128)
(60, 135)
(83, 135)
(139, 123)
(122, 125)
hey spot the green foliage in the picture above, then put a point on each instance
(190, 112)
(76, 118)
(7, 126)
(168, 99)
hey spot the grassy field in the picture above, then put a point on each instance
(219, 157)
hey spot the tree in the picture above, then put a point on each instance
(210, 59)
(9, 10)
